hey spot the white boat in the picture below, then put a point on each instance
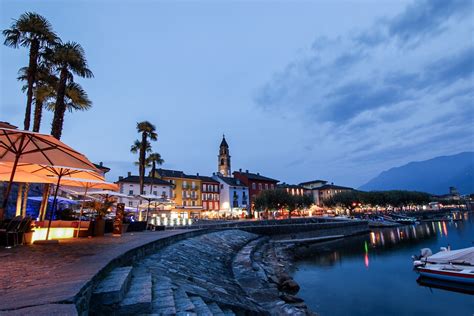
(449, 265)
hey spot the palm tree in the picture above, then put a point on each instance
(34, 31)
(44, 90)
(137, 148)
(148, 132)
(68, 59)
(75, 99)
(153, 160)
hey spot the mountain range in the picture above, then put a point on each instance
(434, 176)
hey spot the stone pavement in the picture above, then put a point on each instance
(47, 274)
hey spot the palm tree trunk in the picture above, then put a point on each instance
(37, 116)
(19, 199)
(44, 202)
(60, 108)
(142, 162)
(32, 68)
(25, 199)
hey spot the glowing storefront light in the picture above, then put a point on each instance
(54, 233)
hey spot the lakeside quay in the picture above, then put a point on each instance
(61, 278)
(33, 277)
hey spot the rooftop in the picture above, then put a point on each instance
(254, 176)
(207, 179)
(291, 186)
(223, 142)
(102, 167)
(313, 181)
(332, 186)
(232, 181)
(146, 180)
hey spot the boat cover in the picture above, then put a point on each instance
(460, 256)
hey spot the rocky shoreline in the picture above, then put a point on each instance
(229, 272)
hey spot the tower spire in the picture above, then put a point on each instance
(223, 160)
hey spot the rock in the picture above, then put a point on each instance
(289, 286)
(291, 298)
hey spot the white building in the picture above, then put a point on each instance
(131, 186)
(234, 196)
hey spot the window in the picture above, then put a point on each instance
(130, 192)
(130, 203)
(260, 186)
(193, 203)
(266, 186)
(204, 205)
(272, 186)
(222, 161)
(254, 186)
(184, 203)
(155, 192)
(222, 186)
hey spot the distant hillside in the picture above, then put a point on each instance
(434, 176)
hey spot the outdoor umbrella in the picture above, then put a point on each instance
(149, 198)
(17, 146)
(22, 176)
(88, 184)
(58, 174)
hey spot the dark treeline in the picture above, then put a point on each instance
(394, 198)
(270, 200)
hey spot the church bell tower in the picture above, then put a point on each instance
(223, 162)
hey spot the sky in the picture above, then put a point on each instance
(302, 90)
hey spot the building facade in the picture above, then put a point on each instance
(130, 185)
(186, 192)
(223, 159)
(210, 189)
(327, 191)
(294, 189)
(234, 197)
(255, 183)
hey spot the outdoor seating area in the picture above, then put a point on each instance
(28, 157)
(12, 233)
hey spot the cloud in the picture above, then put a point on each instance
(399, 89)
(419, 21)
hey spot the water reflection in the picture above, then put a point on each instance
(380, 241)
(382, 259)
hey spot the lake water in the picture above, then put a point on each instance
(373, 274)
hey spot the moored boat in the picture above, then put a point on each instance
(454, 266)
(448, 272)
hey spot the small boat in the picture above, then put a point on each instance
(448, 265)
(448, 272)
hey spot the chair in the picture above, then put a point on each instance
(10, 228)
(22, 229)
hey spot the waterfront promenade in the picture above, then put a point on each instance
(38, 275)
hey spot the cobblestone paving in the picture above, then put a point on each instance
(42, 274)
(198, 272)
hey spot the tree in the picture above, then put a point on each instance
(76, 99)
(281, 199)
(68, 60)
(151, 161)
(44, 90)
(34, 31)
(148, 132)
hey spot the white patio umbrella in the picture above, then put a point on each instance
(23, 147)
(58, 174)
(87, 184)
(149, 198)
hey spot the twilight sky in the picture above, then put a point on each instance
(335, 90)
